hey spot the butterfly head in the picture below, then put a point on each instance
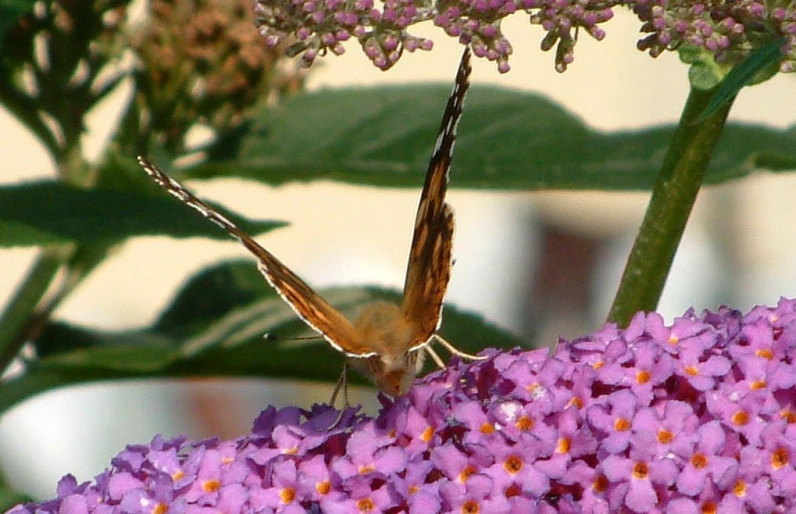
(394, 378)
(394, 361)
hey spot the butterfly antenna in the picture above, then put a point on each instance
(455, 351)
(271, 337)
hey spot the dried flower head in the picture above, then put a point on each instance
(698, 416)
(202, 62)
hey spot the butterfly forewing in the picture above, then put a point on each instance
(310, 306)
(428, 271)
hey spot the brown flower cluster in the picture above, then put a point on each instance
(201, 62)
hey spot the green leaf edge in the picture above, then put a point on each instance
(48, 212)
(743, 74)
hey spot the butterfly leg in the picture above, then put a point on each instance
(342, 384)
(435, 357)
(455, 351)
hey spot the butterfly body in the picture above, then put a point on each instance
(384, 329)
(387, 342)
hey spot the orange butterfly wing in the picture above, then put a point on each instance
(428, 271)
(309, 305)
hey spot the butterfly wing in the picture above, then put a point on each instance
(310, 307)
(428, 271)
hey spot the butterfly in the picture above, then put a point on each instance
(387, 341)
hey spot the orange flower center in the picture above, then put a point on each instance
(765, 353)
(513, 464)
(779, 458)
(699, 461)
(211, 486)
(709, 508)
(366, 505)
(622, 424)
(600, 484)
(323, 487)
(740, 418)
(466, 472)
(287, 494)
(739, 489)
(471, 507)
(524, 423)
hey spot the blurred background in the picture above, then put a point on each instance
(541, 265)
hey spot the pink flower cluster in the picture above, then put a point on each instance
(729, 30)
(317, 26)
(694, 417)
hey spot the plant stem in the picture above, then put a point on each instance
(23, 304)
(673, 197)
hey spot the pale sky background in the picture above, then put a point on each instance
(361, 235)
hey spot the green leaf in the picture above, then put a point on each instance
(41, 213)
(124, 358)
(212, 294)
(215, 327)
(10, 11)
(759, 65)
(507, 140)
(10, 498)
(704, 73)
(234, 305)
(65, 345)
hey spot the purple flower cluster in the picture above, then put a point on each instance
(728, 30)
(697, 417)
(563, 20)
(318, 26)
(477, 23)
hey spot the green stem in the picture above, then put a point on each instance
(25, 110)
(670, 206)
(22, 306)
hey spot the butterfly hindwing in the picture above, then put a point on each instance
(428, 271)
(310, 306)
